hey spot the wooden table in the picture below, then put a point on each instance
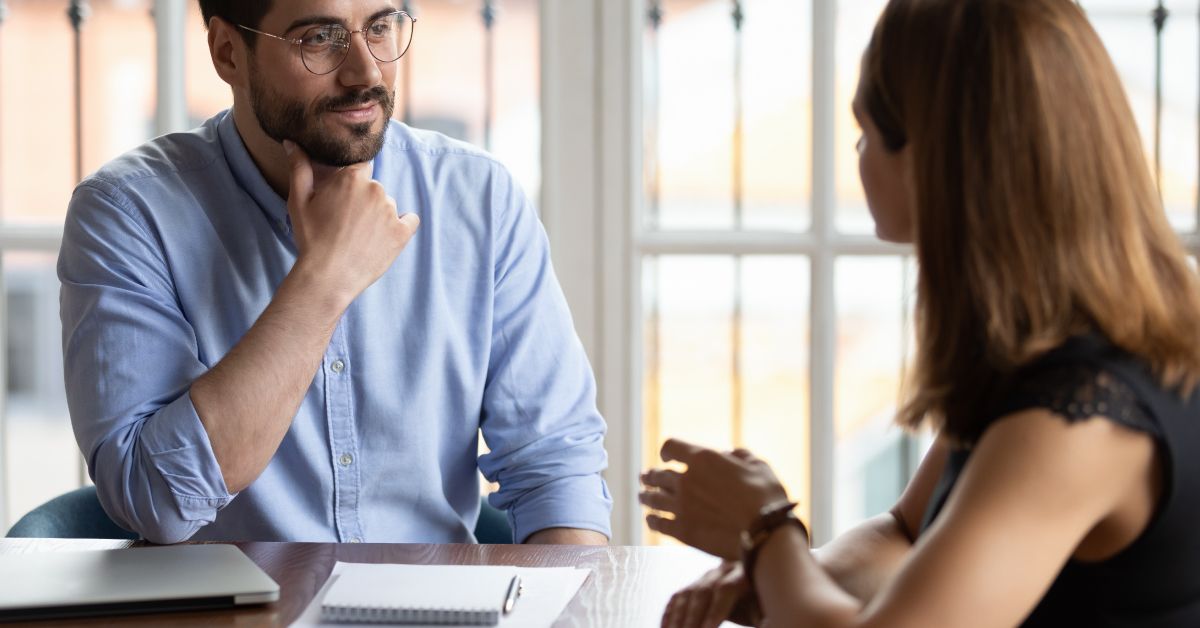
(628, 587)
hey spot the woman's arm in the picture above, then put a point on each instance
(1033, 489)
(865, 557)
(859, 561)
(1035, 486)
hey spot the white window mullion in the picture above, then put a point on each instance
(170, 26)
(762, 243)
(823, 309)
(621, 198)
(591, 193)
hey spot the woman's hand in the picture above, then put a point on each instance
(713, 501)
(720, 594)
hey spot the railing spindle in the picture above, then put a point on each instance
(78, 13)
(1160, 16)
(738, 427)
(489, 70)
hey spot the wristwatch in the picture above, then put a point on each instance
(770, 518)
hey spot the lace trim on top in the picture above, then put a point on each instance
(1078, 392)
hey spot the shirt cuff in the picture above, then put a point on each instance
(579, 502)
(177, 445)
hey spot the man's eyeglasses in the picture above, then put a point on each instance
(323, 48)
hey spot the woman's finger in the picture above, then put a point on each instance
(659, 500)
(671, 615)
(697, 607)
(682, 451)
(662, 479)
(669, 527)
(743, 454)
(725, 596)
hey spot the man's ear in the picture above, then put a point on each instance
(229, 52)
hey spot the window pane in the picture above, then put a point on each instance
(774, 367)
(1181, 107)
(778, 114)
(873, 456)
(207, 94)
(1128, 33)
(446, 67)
(39, 455)
(855, 22)
(37, 106)
(724, 375)
(694, 118)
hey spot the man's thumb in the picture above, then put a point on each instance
(301, 185)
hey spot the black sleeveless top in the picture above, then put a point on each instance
(1155, 581)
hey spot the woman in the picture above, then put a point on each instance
(1058, 352)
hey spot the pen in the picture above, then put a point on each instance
(510, 598)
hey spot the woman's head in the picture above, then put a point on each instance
(1032, 207)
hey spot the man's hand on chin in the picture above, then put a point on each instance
(566, 536)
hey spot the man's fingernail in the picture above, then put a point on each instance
(289, 147)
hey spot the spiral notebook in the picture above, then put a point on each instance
(418, 594)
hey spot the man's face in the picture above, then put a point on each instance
(339, 118)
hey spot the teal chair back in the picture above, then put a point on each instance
(78, 515)
(74, 515)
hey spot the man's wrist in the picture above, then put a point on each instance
(320, 288)
(566, 536)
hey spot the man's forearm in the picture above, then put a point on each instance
(566, 536)
(248, 400)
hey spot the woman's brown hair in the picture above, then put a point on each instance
(1035, 214)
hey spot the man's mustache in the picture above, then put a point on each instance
(376, 94)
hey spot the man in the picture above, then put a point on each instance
(260, 344)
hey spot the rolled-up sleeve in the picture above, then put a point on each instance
(130, 357)
(540, 421)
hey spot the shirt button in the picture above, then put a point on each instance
(356, 540)
(346, 460)
(338, 366)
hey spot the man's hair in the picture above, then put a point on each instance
(244, 12)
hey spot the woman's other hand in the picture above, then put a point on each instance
(722, 593)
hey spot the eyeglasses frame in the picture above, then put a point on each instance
(350, 35)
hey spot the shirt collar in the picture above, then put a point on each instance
(249, 177)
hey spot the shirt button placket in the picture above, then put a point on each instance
(343, 422)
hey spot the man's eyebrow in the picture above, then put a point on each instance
(322, 20)
(314, 20)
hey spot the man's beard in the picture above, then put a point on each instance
(284, 119)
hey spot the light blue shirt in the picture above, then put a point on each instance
(172, 251)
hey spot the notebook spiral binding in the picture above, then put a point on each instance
(390, 615)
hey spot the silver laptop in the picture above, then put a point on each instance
(137, 580)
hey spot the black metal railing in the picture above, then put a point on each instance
(78, 12)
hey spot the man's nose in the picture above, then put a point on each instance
(361, 68)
